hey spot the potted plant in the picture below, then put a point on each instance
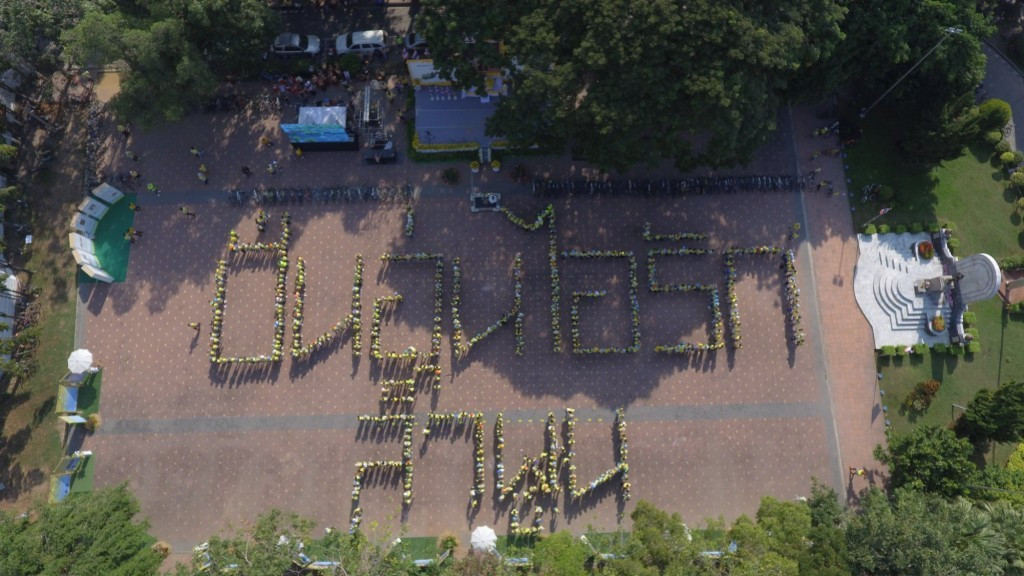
(495, 165)
(474, 166)
(926, 250)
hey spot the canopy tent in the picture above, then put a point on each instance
(97, 273)
(322, 128)
(107, 193)
(93, 208)
(86, 258)
(64, 475)
(484, 539)
(84, 225)
(79, 361)
(67, 399)
(81, 243)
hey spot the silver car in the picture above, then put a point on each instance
(364, 43)
(291, 44)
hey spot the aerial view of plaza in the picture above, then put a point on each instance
(376, 287)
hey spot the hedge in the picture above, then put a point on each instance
(869, 229)
(1012, 263)
(900, 351)
(886, 351)
(920, 349)
(970, 318)
(901, 229)
(939, 349)
(957, 350)
(973, 332)
(973, 347)
(883, 228)
(916, 227)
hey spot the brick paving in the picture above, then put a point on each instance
(708, 435)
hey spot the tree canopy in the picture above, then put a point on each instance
(929, 459)
(176, 50)
(995, 416)
(624, 82)
(92, 533)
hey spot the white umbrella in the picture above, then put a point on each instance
(79, 361)
(483, 538)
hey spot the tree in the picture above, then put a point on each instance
(658, 539)
(787, 523)
(916, 534)
(995, 416)
(930, 458)
(26, 25)
(626, 82)
(91, 533)
(269, 546)
(175, 50)
(560, 555)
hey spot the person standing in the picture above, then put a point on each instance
(203, 178)
(134, 207)
(195, 152)
(194, 325)
(246, 171)
(152, 188)
(185, 211)
(132, 155)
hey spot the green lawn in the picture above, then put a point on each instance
(420, 548)
(970, 192)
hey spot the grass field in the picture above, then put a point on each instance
(973, 194)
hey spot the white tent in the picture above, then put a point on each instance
(93, 207)
(483, 538)
(84, 225)
(79, 242)
(86, 258)
(97, 273)
(107, 193)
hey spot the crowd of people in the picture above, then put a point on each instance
(634, 302)
(717, 339)
(410, 221)
(219, 302)
(407, 422)
(549, 214)
(352, 320)
(382, 306)
(652, 272)
(459, 342)
(402, 390)
(680, 236)
(792, 297)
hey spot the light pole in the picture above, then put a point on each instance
(949, 32)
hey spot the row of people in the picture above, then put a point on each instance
(651, 237)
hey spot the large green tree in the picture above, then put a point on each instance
(931, 458)
(91, 533)
(995, 416)
(631, 81)
(175, 50)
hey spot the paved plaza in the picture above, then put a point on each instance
(708, 434)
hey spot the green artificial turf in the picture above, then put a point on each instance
(974, 195)
(89, 394)
(112, 250)
(83, 478)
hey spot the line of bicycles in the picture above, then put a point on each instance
(285, 196)
(669, 187)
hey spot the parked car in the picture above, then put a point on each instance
(413, 39)
(364, 43)
(380, 149)
(291, 44)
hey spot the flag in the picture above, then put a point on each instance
(884, 211)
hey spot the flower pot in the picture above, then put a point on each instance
(475, 169)
(496, 169)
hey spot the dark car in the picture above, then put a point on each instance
(381, 149)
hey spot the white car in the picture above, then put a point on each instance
(290, 44)
(413, 39)
(365, 43)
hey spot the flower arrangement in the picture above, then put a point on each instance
(475, 166)
(938, 323)
(634, 300)
(351, 321)
(651, 237)
(794, 231)
(549, 214)
(459, 342)
(495, 166)
(926, 250)
(407, 423)
(409, 221)
(278, 249)
(792, 297)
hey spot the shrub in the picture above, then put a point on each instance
(93, 422)
(1017, 308)
(448, 541)
(1002, 147)
(993, 114)
(901, 229)
(920, 349)
(951, 226)
(900, 351)
(450, 176)
(970, 318)
(163, 549)
(885, 193)
(973, 332)
(869, 229)
(973, 347)
(886, 351)
(1012, 263)
(939, 348)
(1017, 179)
(7, 153)
(993, 137)
(916, 228)
(934, 227)
(1008, 159)
(957, 350)
(953, 243)
(883, 228)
